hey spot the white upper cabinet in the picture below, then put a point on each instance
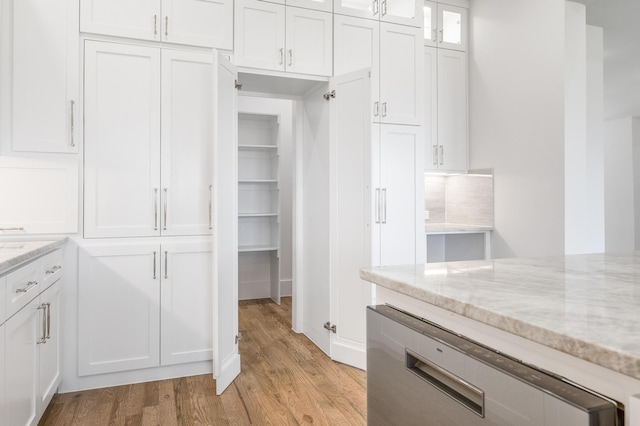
(205, 23)
(445, 26)
(405, 12)
(39, 85)
(129, 191)
(323, 5)
(401, 78)
(282, 38)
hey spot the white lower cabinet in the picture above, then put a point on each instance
(31, 355)
(144, 305)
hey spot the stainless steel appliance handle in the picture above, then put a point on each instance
(460, 390)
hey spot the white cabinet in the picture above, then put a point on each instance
(150, 174)
(395, 212)
(282, 38)
(404, 12)
(446, 122)
(205, 23)
(31, 340)
(323, 5)
(147, 304)
(445, 26)
(393, 53)
(39, 76)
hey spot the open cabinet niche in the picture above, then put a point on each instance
(264, 227)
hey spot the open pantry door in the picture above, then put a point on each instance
(224, 199)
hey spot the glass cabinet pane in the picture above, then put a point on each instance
(451, 27)
(430, 14)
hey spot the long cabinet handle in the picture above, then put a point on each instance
(210, 205)
(441, 155)
(376, 9)
(384, 7)
(384, 205)
(281, 56)
(43, 336)
(154, 266)
(72, 140)
(377, 218)
(164, 207)
(434, 35)
(384, 109)
(155, 209)
(155, 24)
(376, 107)
(53, 270)
(48, 305)
(166, 25)
(166, 264)
(434, 155)
(290, 57)
(19, 228)
(26, 288)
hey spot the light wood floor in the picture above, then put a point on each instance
(285, 380)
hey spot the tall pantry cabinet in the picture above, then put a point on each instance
(148, 208)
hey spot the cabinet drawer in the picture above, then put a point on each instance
(51, 267)
(22, 286)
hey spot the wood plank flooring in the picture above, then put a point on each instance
(285, 380)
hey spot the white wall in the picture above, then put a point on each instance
(516, 83)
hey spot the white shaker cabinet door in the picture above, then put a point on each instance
(49, 362)
(41, 104)
(186, 310)
(119, 308)
(431, 149)
(187, 139)
(369, 9)
(322, 5)
(207, 23)
(309, 46)
(401, 78)
(21, 364)
(357, 46)
(134, 19)
(259, 35)
(3, 404)
(452, 110)
(452, 27)
(122, 140)
(404, 12)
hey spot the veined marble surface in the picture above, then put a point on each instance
(587, 306)
(14, 253)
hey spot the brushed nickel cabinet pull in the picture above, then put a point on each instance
(384, 7)
(290, 57)
(434, 35)
(155, 209)
(155, 24)
(166, 25)
(281, 56)
(376, 106)
(384, 109)
(441, 35)
(384, 205)
(441, 155)
(210, 205)
(28, 287)
(154, 265)
(19, 228)
(53, 270)
(166, 265)
(48, 305)
(376, 9)
(377, 215)
(434, 154)
(43, 337)
(164, 214)
(72, 125)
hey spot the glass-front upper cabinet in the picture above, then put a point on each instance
(404, 12)
(445, 26)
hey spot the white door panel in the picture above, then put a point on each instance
(309, 46)
(226, 360)
(206, 23)
(134, 19)
(431, 151)
(259, 35)
(452, 109)
(49, 362)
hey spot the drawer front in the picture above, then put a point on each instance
(52, 268)
(22, 286)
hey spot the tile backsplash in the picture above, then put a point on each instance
(460, 199)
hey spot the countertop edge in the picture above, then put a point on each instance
(614, 360)
(47, 246)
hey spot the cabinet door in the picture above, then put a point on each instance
(49, 355)
(187, 136)
(401, 78)
(44, 86)
(322, 5)
(259, 35)
(309, 36)
(119, 308)
(357, 46)
(186, 295)
(207, 23)
(369, 9)
(452, 109)
(452, 27)
(21, 364)
(122, 140)
(134, 19)
(404, 12)
(430, 19)
(3, 405)
(399, 149)
(431, 150)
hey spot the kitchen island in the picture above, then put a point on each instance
(575, 316)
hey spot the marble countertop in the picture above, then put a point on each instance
(452, 228)
(587, 306)
(14, 253)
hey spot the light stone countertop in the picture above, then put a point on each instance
(14, 253)
(587, 306)
(452, 228)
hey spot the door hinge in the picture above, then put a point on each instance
(327, 96)
(238, 337)
(238, 85)
(330, 327)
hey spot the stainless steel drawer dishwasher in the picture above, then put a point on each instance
(421, 374)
